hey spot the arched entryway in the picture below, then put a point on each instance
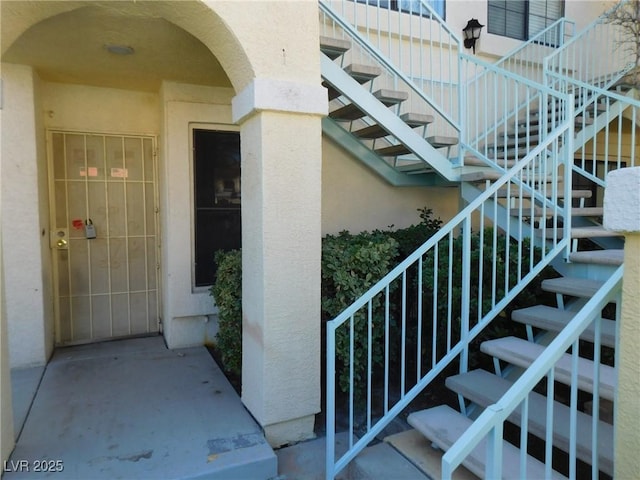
(218, 68)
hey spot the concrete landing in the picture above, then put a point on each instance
(306, 461)
(134, 409)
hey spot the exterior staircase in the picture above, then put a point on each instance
(516, 174)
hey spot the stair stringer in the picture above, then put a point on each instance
(391, 122)
(355, 147)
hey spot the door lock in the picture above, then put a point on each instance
(59, 239)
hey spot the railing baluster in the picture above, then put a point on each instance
(386, 349)
(548, 446)
(369, 362)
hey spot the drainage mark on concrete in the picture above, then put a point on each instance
(135, 457)
(147, 454)
(217, 446)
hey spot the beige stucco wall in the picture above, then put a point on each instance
(622, 214)
(6, 411)
(186, 310)
(25, 228)
(354, 198)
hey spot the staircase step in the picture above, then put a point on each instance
(334, 47)
(400, 149)
(587, 212)
(575, 287)
(473, 161)
(414, 168)
(416, 119)
(523, 124)
(502, 193)
(575, 212)
(443, 426)
(554, 320)
(523, 353)
(594, 231)
(510, 142)
(372, 131)
(411, 119)
(613, 257)
(439, 141)
(416, 448)
(352, 112)
(393, 150)
(363, 73)
(484, 389)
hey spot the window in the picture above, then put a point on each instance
(522, 19)
(216, 178)
(409, 6)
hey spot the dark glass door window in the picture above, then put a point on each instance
(217, 199)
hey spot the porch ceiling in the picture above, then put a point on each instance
(70, 48)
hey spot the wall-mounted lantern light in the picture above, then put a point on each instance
(472, 33)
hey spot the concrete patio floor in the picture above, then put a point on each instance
(133, 409)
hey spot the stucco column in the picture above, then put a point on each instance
(281, 137)
(6, 411)
(622, 214)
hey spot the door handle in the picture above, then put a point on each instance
(61, 243)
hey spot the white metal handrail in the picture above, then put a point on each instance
(490, 423)
(597, 56)
(416, 49)
(448, 263)
(527, 59)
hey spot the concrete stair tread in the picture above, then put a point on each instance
(417, 167)
(575, 212)
(363, 73)
(334, 47)
(492, 175)
(351, 111)
(574, 193)
(587, 212)
(523, 353)
(400, 149)
(485, 388)
(416, 119)
(393, 150)
(576, 287)
(593, 231)
(438, 141)
(473, 161)
(443, 426)
(613, 257)
(554, 320)
(415, 447)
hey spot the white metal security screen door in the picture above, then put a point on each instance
(104, 235)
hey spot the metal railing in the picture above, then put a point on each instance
(597, 57)
(527, 59)
(488, 427)
(416, 50)
(423, 314)
(608, 136)
(516, 104)
(507, 115)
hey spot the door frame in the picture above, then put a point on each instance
(52, 224)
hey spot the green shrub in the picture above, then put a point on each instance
(227, 292)
(351, 264)
(410, 238)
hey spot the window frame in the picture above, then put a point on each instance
(193, 127)
(526, 14)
